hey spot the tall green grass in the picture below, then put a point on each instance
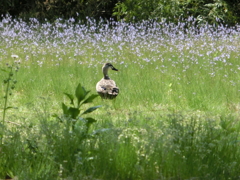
(176, 117)
(183, 85)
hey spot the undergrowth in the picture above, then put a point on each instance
(176, 117)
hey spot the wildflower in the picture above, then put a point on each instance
(14, 56)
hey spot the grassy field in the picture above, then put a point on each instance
(176, 117)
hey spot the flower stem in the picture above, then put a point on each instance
(5, 104)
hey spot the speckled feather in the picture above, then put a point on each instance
(107, 87)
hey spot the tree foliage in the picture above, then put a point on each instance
(210, 11)
(52, 9)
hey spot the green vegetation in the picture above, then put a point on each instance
(176, 117)
(205, 11)
(10, 82)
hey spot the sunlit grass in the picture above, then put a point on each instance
(176, 116)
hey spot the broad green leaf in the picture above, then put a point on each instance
(73, 112)
(65, 109)
(70, 96)
(86, 93)
(87, 120)
(91, 109)
(90, 120)
(80, 93)
(90, 99)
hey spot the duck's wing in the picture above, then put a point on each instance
(107, 89)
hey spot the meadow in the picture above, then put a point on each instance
(176, 117)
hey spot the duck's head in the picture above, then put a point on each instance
(109, 65)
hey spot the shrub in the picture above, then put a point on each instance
(206, 11)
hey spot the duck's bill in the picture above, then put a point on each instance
(113, 68)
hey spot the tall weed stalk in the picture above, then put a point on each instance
(10, 82)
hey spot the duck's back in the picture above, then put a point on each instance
(107, 88)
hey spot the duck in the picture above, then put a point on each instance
(106, 87)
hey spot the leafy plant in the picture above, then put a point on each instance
(74, 113)
(205, 11)
(68, 142)
(10, 83)
(217, 10)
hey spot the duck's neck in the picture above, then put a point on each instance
(105, 73)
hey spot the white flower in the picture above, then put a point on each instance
(14, 56)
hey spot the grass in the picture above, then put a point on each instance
(176, 117)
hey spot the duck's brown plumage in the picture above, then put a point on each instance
(106, 87)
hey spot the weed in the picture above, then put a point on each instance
(179, 120)
(10, 82)
(73, 112)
